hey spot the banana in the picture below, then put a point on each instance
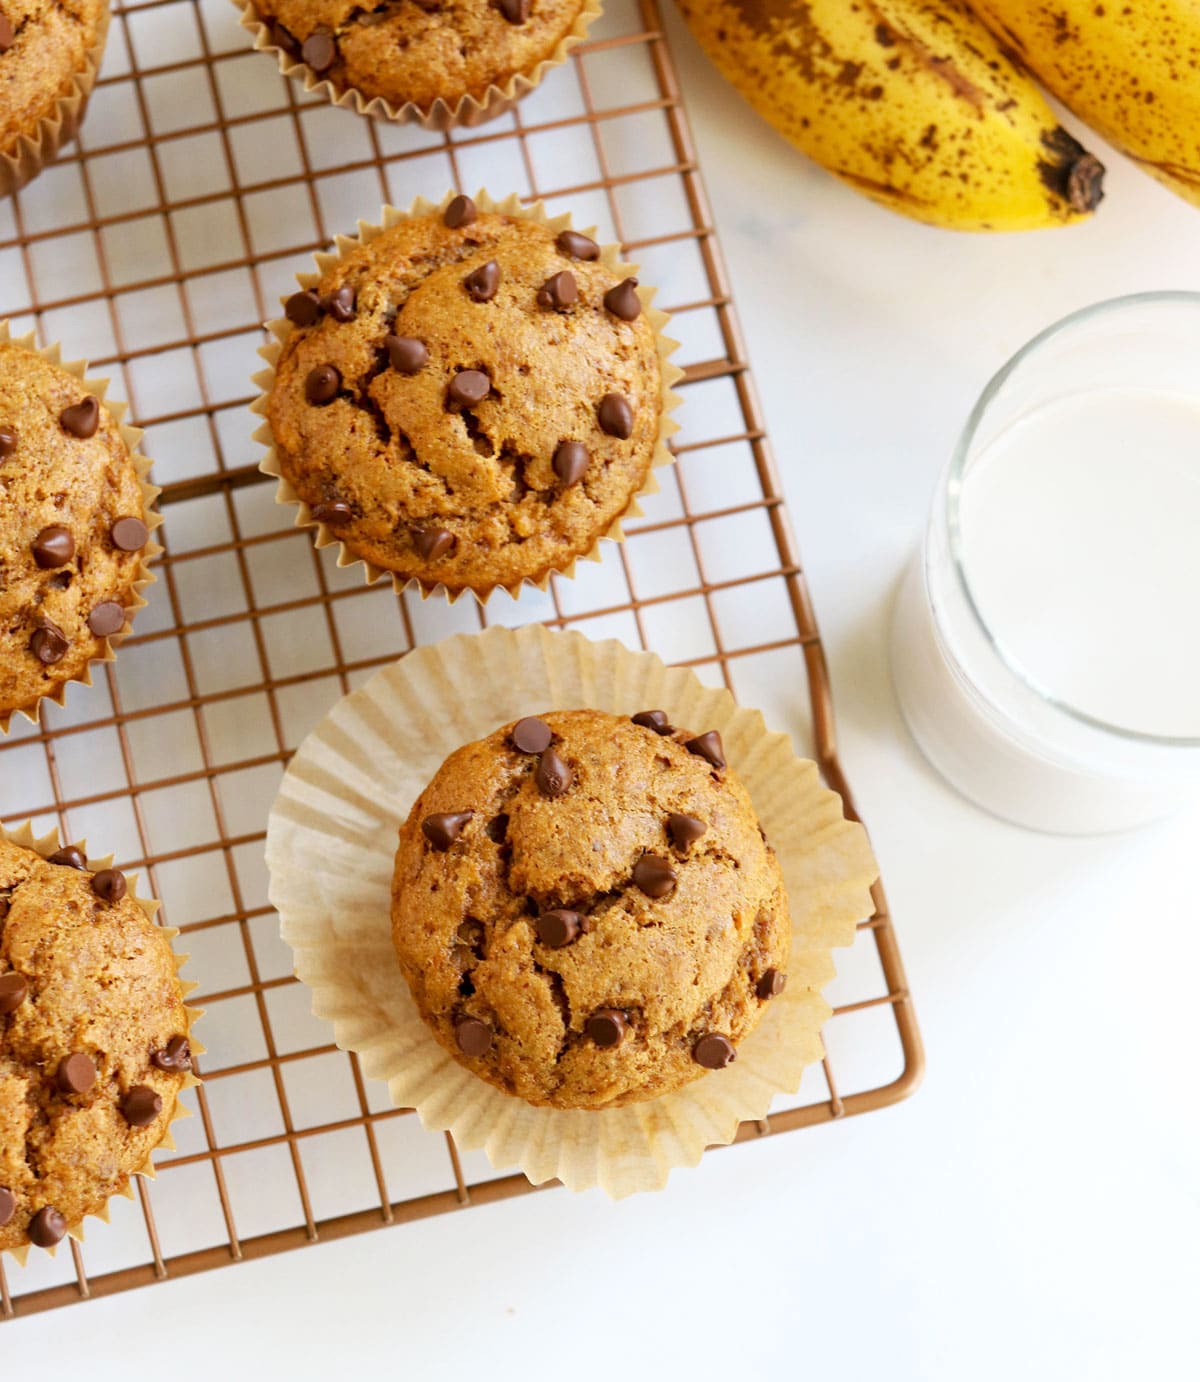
(1130, 68)
(913, 103)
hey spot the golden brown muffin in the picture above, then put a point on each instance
(44, 48)
(73, 526)
(420, 51)
(93, 1041)
(586, 909)
(471, 403)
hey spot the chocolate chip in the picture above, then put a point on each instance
(109, 886)
(76, 1074)
(13, 992)
(444, 827)
(653, 719)
(469, 387)
(141, 1106)
(571, 461)
(8, 1201)
(474, 1037)
(622, 301)
(432, 543)
(577, 246)
(303, 309)
(47, 1228)
(531, 735)
(654, 876)
(8, 442)
(7, 37)
(460, 212)
(175, 1055)
(606, 1026)
(515, 11)
(81, 419)
(129, 534)
(319, 50)
(709, 747)
(406, 354)
(48, 644)
(714, 1051)
(69, 857)
(333, 512)
(322, 385)
(683, 830)
(558, 928)
(106, 619)
(481, 283)
(53, 547)
(771, 985)
(285, 39)
(615, 416)
(553, 776)
(341, 304)
(559, 290)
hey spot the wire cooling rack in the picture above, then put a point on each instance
(203, 181)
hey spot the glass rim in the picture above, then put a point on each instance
(956, 470)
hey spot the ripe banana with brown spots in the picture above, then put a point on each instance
(912, 102)
(1130, 68)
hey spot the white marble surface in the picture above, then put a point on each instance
(1033, 1211)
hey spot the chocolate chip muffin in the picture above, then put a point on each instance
(469, 399)
(74, 529)
(586, 909)
(94, 1041)
(48, 55)
(420, 52)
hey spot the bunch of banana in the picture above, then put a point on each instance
(913, 102)
(1130, 68)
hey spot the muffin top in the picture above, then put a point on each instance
(72, 527)
(43, 46)
(586, 909)
(420, 50)
(472, 403)
(93, 1041)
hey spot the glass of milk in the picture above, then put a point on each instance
(1046, 640)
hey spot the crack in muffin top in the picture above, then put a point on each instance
(43, 47)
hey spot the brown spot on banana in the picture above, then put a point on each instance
(1070, 172)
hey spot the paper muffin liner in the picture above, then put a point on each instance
(610, 257)
(331, 843)
(442, 115)
(26, 159)
(132, 437)
(46, 845)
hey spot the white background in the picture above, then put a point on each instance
(1034, 1211)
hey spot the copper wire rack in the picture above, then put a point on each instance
(158, 246)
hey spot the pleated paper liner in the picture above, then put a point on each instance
(32, 152)
(46, 845)
(466, 112)
(331, 842)
(610, 256)
(132, 437)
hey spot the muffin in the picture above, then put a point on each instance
(586, 909)
(433, 64)
(94, 1041)
(469, 398)
(75, 527)
(49, 54)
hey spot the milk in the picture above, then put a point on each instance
(1046, 642)
(1080, 542)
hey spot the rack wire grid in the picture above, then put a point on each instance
(157, 247)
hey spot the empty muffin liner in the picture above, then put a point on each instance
(331, 844)
(281, 329)
(22, 162)
(46, 845)
(132, 437)
(466, 112)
